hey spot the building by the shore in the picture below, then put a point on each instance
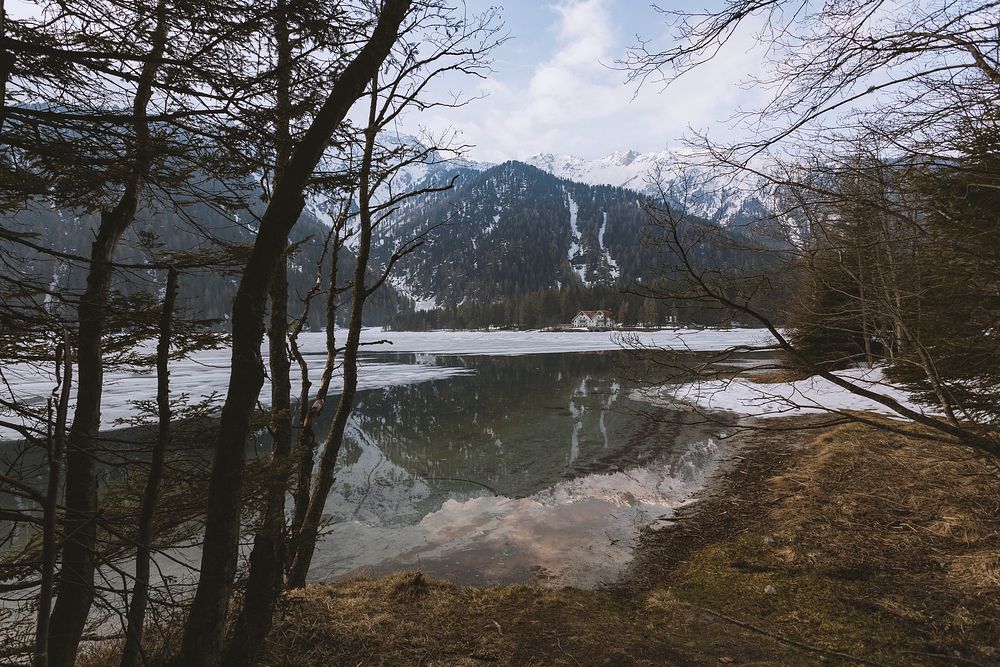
(593, 319)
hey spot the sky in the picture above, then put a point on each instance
(556, 87)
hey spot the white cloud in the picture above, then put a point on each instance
(576, 101)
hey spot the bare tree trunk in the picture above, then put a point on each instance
(6, 64)
(866, 329)
(76, 579)
(140, 590)
(267, 559)
(203, 633)
(309, 532)
(57, 445)
(307, 444)
(266, 574)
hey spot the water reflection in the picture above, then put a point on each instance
(522, 469)
(533, 467)
(514, 426)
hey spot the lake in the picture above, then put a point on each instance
(539, 468)
(522, 457)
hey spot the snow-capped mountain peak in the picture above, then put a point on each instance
(627, 169)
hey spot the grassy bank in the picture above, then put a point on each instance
(847, 546)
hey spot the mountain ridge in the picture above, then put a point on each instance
(696, 189)
(514, 229)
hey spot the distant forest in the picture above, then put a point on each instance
(556, 307)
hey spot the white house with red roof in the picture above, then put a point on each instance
(593, 319)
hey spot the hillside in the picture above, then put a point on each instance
(514, 229)
(204, 293)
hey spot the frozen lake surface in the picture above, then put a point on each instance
(206, 373)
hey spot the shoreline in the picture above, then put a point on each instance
(843, 545)
(781, 559)
(751, 458)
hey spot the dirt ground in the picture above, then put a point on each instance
(843, 546)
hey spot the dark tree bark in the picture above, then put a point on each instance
(265, 580)
(76, 578)
(308, 533)
(140, 590)
(203, 635)
(267, 559)
(6, 64)
(57, 444)
(309, 411)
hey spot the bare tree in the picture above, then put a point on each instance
(437, 41)
(907, 66)
(870, 105)
(445, 43)
(203, 634)
(140, 590)
(69, 615)
(58, 406)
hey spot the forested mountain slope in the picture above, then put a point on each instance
(514, 229)
(205, 293)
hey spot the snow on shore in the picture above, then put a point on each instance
(809, 396)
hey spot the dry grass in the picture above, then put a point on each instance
(407, 619)
(883, 546)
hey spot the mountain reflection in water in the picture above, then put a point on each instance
(531, 468)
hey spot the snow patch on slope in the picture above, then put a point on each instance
(399, 283)
(605, 253)
(575, 247)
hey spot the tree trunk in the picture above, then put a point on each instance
(140, 590)
(306, 448)
(57, 444)
(203, 633)
(308, 534)
(76, 579)
(6, 64)
(267, 559)
(305, 539)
